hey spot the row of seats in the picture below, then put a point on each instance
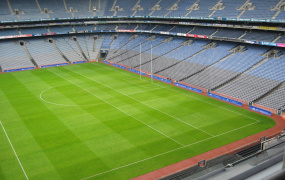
(247, 74)
(259, 35)
(13, 56)
(29, 9)
(44, 51)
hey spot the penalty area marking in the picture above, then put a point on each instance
(41, 97)
(14, 151)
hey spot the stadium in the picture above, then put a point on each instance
(142, 89)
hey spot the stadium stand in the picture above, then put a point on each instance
(55, 8)
(30, 9)
(163, 7)
(203, 31)
(84, 28)
(8, 32)
(100, 27)
(274, 100)
(257, 82)
(229, 33)
(69, 48)
(281, 39)
(224, 71)
(34, 31)
(197, 58)
(5, 13)
(43, 52)
(27, 9)
(229, 9)
(13, 56)
(182, 29)
(260, 35)
(60, 29)
(220, 63)
(261, 10)
(203, 8)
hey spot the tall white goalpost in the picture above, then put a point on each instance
(151, 62)
(140, 60)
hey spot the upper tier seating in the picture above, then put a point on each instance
(28, 9)
(262, 9)
(230, 9)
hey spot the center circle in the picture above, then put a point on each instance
(68, 95)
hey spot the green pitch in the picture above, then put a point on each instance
(94, 121)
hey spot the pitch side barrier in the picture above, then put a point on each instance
(268, 113)
(137, 71)
(273, 111)
(189, 87)
(79, 62)
(18, 69)
(53, 65)
(224, 99)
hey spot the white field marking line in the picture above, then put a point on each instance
(143, 91)
(209, 103)
(141, 102)
(120, 110)
(61, 104)
(165, 152)
(120, 71)
(134, 83)
(14, 151)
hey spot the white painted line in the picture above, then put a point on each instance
(122, 72)
(14, 151)
(135, 83)
(41, 97)
(119, 109)
(143, 91)
(143, 103)
(161, 154)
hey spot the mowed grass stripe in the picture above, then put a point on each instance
(210, 110)
(58, 143)
(164, 101)
(14, 151)
(144, 103)
(112, 137)
(122, 111)
(27, 148)
(96, 135)
(122, 125)
(160, 120)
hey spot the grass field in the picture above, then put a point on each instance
(93, 121)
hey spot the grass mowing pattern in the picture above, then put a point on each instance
(99, 122)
